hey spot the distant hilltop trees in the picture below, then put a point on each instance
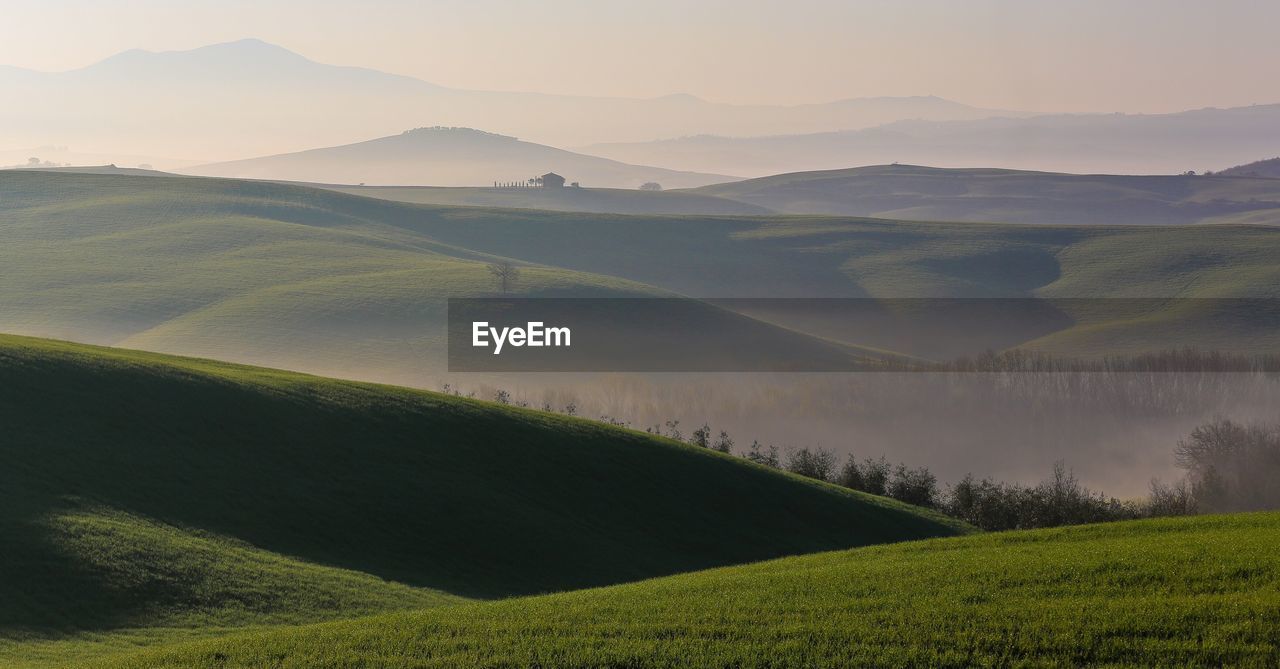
(37, 163)
(456, 129)
(548, 180)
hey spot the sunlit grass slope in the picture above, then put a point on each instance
(141, 491)
(1183, 592)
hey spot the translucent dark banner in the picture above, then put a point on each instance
(854, 334)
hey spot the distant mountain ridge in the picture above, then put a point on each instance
(284, 102)
(441, 156)
(1082, 143)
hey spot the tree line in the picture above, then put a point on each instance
(1227, 466)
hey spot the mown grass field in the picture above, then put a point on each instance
(1176, 592)
(146, 497)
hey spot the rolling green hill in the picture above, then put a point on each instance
(1009, 196)
(102, 169)
(145, 496)
(332, 283)
(1185, 592)
(256, 272)
(593, 200)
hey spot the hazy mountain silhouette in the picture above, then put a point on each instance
(1107, 143)
(448, 157)
(249, 97)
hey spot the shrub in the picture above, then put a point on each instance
(914, 486)
(761, 455)
(701, 436)
(816, 464)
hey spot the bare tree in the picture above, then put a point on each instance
(505, 274)
(1232, 466)
(762, 455)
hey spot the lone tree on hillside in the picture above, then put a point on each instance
(651, 185)
(505, 274)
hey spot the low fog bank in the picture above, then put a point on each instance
(1117, 431)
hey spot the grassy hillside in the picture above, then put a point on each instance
(593, 200)
(1009, 196)
(257, 272)
(869, 258)
(908, 192)
(1269, 168)
(142, 493)
(1186, 592)
(332, 283)
(102, 169)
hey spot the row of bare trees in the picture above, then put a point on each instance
(1228, 467)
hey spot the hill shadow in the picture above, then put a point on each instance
(435, 492)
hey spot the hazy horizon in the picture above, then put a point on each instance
(1000, 54)
(197, 83)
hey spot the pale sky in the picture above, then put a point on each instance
(1035, 55)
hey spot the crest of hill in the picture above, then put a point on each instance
(590, 200)
(1269, 169)
(913, 192)
(440, 156)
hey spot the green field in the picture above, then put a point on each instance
(1186, 592)
(332, 283)
(146, 498)
(593, 200)
(251, 271)
(276, 519)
